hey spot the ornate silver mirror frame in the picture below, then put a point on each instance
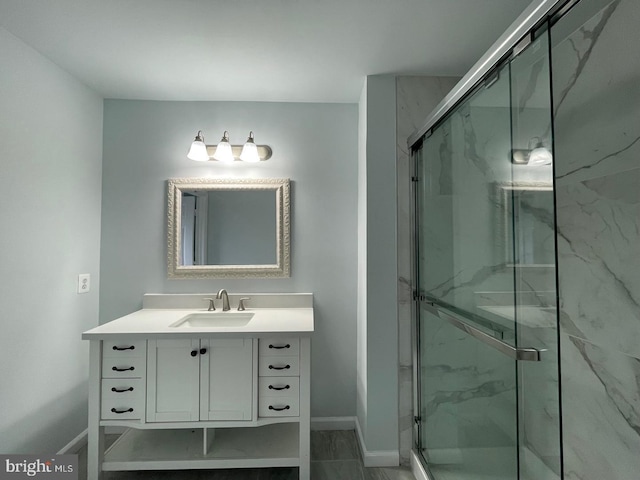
(280, 188)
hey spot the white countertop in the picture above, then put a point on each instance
(155, 322)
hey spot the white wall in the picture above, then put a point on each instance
(315, 145)
(50, 146)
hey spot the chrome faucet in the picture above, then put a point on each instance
(222, 294)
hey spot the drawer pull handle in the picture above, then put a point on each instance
(273, 367)
(279, 409)
(280, 347)
(286, 387)
(120, 349)
(114, 389)
(124, 369)
(128, 410)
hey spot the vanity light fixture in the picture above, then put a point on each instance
(226, 153)
(223, 150)
(250, 151)
(540, 156)
(535, 157)
(198, 150)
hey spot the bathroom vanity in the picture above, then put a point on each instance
(198, 389)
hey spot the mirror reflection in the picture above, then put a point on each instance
(526, 224)
(229, 227)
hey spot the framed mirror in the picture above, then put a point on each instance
(228, 228)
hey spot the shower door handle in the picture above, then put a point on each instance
(522, 354)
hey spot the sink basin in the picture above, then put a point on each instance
(213, 319)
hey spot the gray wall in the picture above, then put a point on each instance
(315, 145)
(361, 362)
(50, 145)
(378, 341)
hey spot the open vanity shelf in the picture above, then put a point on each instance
(276, 445)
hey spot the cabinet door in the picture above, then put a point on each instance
(227, 379)
(173, 380)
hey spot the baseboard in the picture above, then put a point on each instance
(76, 444)
(333, 423)
(416, 467)
(376, 458)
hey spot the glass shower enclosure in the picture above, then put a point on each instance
(485, 256)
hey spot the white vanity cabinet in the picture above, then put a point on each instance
(200, 379)
(279, 377)
(228, 391)
(200, 403)
(122, 381)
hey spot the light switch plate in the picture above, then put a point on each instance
(84, 282)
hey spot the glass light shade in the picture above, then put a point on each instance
(540, 156)
(224, 153)
(198, 150)
(250, 151)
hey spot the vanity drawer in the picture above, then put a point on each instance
(126, 367)
(279, 346)
(123, 349)
(279, 407)
(279, 366)
(122, 399)
(279, 387)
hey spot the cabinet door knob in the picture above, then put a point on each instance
(194, 353)
(203, 351)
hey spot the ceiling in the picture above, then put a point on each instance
(257, 50)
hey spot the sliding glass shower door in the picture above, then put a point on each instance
(485, 262)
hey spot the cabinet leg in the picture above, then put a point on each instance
(95, 453)
(95, 435)
(305, 471)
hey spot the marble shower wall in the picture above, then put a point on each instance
(596, 91)
(416, 97)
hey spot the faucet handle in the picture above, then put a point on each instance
(212, 306)
(241, 306)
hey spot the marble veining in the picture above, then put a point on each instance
(601, 413)
(487, 389)
(597, 148)
(597, 162)
(583, 45)
(416, 97)
(596, 93)
(599, 242)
